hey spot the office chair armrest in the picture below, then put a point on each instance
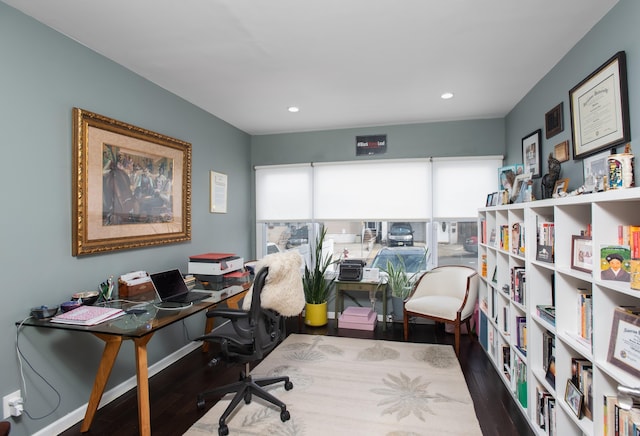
(228, 313)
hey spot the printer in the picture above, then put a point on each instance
(351, 270)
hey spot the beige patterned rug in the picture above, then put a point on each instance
(345, 386)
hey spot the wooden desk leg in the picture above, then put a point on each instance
(142, 374)
(111, 348)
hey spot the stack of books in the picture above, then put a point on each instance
(547, 313)
(88, 315)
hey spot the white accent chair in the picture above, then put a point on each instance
(446, 294)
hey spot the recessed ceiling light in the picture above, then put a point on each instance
(446, 95)
(293, 109)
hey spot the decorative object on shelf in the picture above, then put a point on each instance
(561, 151)
(531, 156)
(109, 158)
(549, 180)
(623, 344)
(560, 188)
(615, 263)
(600, 108)
(595, 171)
(574, 398)
(620, 170)
(553, 121)
(507, 176)
(521, 192)
(581, 253)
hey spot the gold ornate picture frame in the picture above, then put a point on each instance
(131, 186)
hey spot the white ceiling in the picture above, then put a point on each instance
(345, 63)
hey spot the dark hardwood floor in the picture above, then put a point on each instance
(173, 391)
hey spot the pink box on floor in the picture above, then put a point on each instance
(358, 318)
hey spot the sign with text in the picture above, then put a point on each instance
(369, 145)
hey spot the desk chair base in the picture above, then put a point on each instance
(245, 389)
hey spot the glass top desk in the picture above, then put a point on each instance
(140, 329)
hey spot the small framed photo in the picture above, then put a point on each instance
(553, 122)
(561, 151)
(507, 176)
(490, 199)
(531, 157)
(615, 263)
(596, 164)
(560, 186)
(574, 398)
(623, 349)
(520, 188)
(581, 253)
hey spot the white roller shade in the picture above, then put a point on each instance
(461, 185)
(283, 193)
(381, 190)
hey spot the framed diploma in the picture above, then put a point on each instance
(600, 109)
(624, 345)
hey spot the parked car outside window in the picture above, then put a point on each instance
(471, 244)
(400, 234)
(414, 258)
(299, 237)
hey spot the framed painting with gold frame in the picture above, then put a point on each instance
(131, 186)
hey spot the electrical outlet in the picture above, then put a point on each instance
(6, 409)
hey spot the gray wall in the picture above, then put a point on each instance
(42, 77)
(617, 31)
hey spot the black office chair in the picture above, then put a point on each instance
(247, 337)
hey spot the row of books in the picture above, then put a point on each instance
(585, 315)
(521, 333)
(546, 240)
(549, 357)
(546, 411)
(547, 313)
(619, 421)
(519, 381)
(518, 284)
(582, 378)
(517, 239)
(630, 235)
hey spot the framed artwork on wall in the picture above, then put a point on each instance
(531, 153)
(131, 186)
(600, 108)
(553, 121)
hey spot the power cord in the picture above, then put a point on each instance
(22, 357)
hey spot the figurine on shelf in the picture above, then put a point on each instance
(549, 180)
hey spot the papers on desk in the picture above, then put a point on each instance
(88, 315)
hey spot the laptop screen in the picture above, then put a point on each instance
(169, 284)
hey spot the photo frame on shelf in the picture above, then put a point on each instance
(596, 164)
(581, 253)
(561, 151)
(615, 263)
(553, 121)
(600, 108)
(507, 176)
(623, 350)
(574, 398)
(531, 157)
(108, 214)
(490, 199)
(520, 185)
(561, 185)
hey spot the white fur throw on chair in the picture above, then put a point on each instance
(282, 291)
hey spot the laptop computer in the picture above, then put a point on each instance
(171, 288)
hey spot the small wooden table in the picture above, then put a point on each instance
(140, 331)
(361, 286)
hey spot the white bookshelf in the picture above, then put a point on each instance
(556, 282)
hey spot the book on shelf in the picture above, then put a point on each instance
(548, 348)
(506, 361)
(544, 407)
(619, 421)
(521, 333)
(518, 284)
(615, 263)
(547, 313)
(504, 237)
(546, 240)
(550, 375)
(585, 314)
(517, 238)
(630, 235)
(88, 315)
(582, 377)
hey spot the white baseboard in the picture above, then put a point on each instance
(77, 415)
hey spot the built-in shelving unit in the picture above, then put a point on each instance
(517, 339)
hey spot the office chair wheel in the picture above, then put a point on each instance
(288, 386)
(200, 402)
(223, 430)
(285, 415)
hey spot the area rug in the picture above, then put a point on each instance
(346, 386)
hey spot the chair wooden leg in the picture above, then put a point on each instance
(457, 338)
(405, 325)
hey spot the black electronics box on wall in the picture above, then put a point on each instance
(351, 270)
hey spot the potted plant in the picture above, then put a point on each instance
(400, 283)
(316, 285)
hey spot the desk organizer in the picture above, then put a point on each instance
(126, 291)
(358, 318)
